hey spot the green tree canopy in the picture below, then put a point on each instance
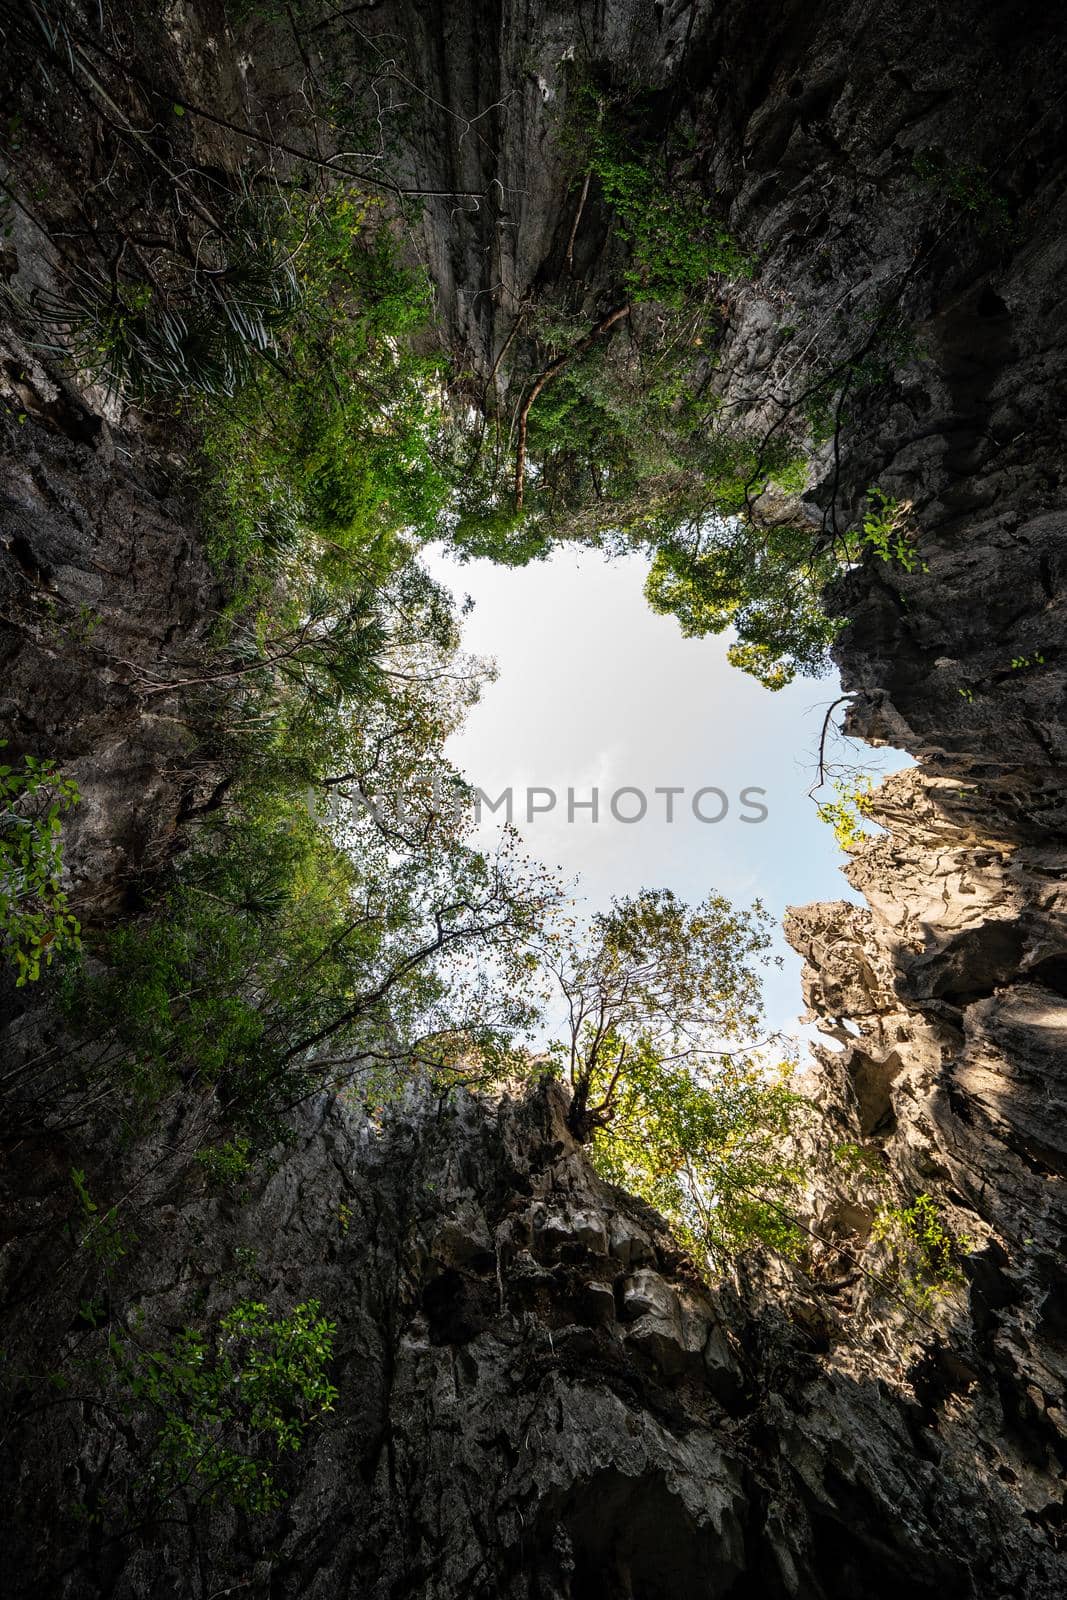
(763, 582)
(668, 1081)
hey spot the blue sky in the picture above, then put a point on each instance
(595, 689)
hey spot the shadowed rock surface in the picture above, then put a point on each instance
(538, 1397)
(102, 578)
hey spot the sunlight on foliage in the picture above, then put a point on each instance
(887, 530)
(846, 813)
(709, 1152)
(662, 1056)
(325, 458)
(762, 582)
(924, 1256)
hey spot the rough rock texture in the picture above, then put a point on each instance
(537, 1398)
(947, 1001)
(102, 586)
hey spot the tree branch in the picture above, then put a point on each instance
(546, 378)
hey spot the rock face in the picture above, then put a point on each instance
(103, 589)
(537, 1396)
(946, 1000)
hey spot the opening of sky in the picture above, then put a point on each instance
(597, 692)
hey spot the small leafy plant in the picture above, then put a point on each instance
(924, 1254)
(97, 1231)
(232, 1404)
(227, 1164)
(966, 186)
(676, 242)
(36, 921)
(858, 1161)
(846, 813)
(887, 531)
